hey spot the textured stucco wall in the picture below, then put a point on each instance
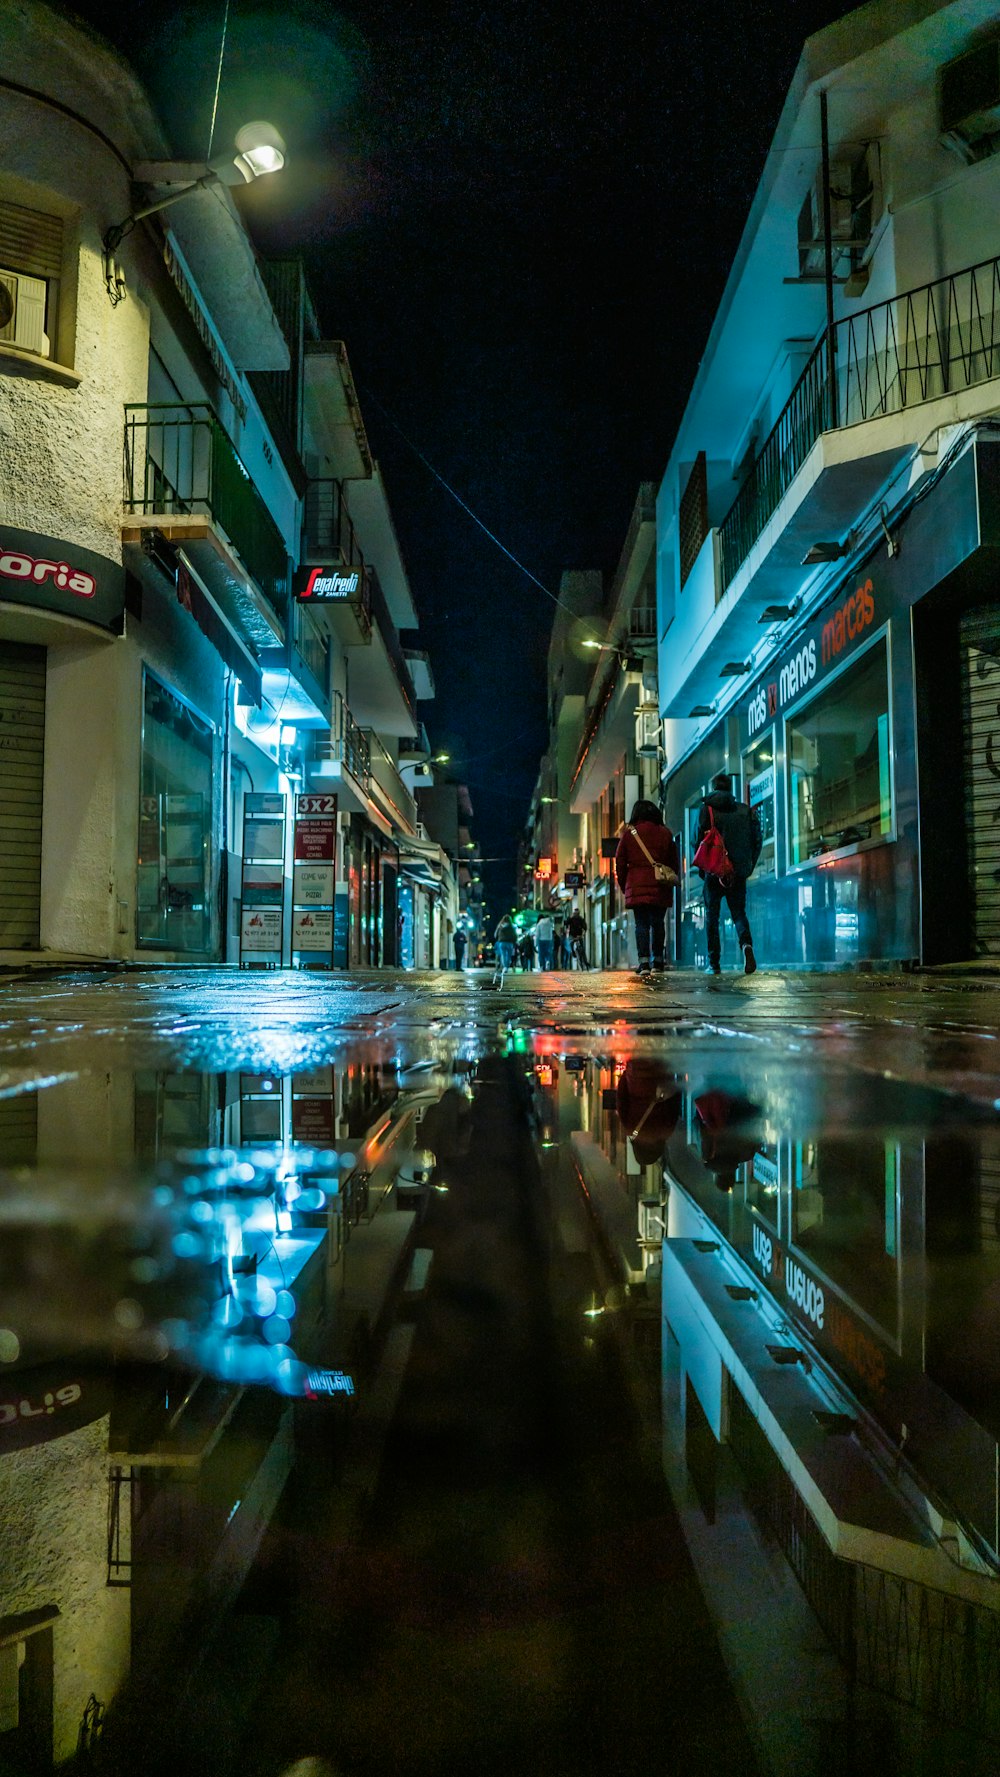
(54, 1509)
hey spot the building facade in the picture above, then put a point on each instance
(201, 590)
(827, 616)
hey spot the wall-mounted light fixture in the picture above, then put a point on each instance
(826, 550)
(702, 709)
(259, 150)
(734, 669)
(777, 613)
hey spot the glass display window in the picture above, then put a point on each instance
(759, 785)
(839, 754)
(173, 900)
(689, 845)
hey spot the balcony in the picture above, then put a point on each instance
(329, 539)
(343, 762)
(296, 677)
(382, 691)
(937, 340)
(183, 478)
(388, 790)
(899, 370)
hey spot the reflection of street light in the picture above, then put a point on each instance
(441, 759)
(259, 150)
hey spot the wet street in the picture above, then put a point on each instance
(419, 1374)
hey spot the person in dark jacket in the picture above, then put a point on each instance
(644, 844)
(741, 832)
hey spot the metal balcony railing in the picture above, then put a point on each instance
(329, 534)
(390, 637)
(934, 340)
(385, 774)
(348, 744)
(178, 459)
(313, 647)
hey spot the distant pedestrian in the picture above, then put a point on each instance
(741, 834)
(561, 943)
(576, 933)
(526, 952)
(460, 941)
(544, 939)
(646, 866)
(505, 939)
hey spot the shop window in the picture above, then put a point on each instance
(758, 776)
(174, 902)
(839, 763)
(31, 252)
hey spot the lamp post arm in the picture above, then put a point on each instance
(115, 235)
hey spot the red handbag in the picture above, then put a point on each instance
(711, 855)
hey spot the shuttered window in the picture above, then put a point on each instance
(31, 248)
(30, 241)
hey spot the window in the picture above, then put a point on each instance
(839, 762)
(31, 251)
(758, 776)
(175, 824)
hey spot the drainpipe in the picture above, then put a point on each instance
(831, 337)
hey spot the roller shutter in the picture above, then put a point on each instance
(980, 640)
(22, 737)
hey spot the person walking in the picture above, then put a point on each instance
(576, 932)
(646, 866)
(560, 942)
(505, 939)
(526, 952)
(460, 941)
(741, 834)
(544, 940)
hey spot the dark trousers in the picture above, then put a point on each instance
(650, 933)
(736, 900)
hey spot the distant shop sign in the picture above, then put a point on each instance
(574, 879)
(328, 585)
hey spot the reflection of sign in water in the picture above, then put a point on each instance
(328, 1382)
(38, 1405)
(765, 1171)
(260, 929)
(313, 1122)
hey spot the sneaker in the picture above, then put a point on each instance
(712, 969)
(749, 960)
(642, 972)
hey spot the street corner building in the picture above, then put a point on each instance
(820, 616)
(208, 713)
(827, 527)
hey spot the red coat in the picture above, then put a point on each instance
(635, 872)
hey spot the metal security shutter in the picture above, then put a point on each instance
(980, 643)
(22, 735)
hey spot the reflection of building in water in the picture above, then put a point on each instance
(830, 1322)
(134, 1496)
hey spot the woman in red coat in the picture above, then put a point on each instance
(644, 844)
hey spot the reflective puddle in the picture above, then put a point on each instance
(523, 1396)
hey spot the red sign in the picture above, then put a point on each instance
(545, 868)
(314, 841)
(312, 1122)
(331, 584)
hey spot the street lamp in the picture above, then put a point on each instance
(259, 150)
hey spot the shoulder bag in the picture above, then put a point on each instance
(661, 872)
(711, 855)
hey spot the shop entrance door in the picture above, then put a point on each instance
(980, 667)
(22, 737)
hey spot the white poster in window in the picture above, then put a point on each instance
(312, 929)
(264, 839)
(260, 929)
(313, 885)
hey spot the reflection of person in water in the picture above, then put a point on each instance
(447, 1126)
(729, 1132)
(649, 1104)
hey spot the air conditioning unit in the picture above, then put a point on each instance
(969, 102)
(856, 203)
(22, 312)
(647, 733)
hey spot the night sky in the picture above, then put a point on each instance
(520, 219)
